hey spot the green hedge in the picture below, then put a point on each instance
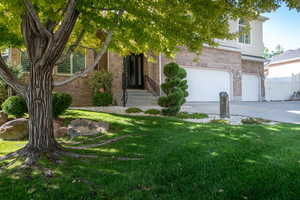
(102, 99)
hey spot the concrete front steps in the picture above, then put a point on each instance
(140, 98)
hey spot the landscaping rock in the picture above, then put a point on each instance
(61, 132)
(84, 127)
(59, 129)
(14, 130)
(3, 118)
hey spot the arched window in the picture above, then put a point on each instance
(245, 36)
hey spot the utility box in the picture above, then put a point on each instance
(224, 105)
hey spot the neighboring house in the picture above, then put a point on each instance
(283, 76)
(236, 67)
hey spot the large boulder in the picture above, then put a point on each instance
(84, 127)
(14, 130)
(59, 129)
(3, 118)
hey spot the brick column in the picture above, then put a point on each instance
(237, 85)
(116, 67)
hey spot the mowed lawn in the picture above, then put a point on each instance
(180, 160)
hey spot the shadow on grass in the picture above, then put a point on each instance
(181, 161)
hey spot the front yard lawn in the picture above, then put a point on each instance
(180, 160)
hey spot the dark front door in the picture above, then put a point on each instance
(134, 70)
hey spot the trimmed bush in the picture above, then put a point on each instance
(175, 88)
(219, 121)
(185, 115)
(152, 112)
(61, 102)
(102, 99)
(15, 105)
(252, 120)
(133, 110)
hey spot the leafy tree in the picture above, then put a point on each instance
(269, 54)
(175, 87)
(49, 30)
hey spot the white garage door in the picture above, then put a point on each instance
(205, 85)
(250, 87)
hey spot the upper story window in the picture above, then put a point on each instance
(245, 36)
(73, 64)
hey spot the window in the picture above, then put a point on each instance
(5, 54)
(25, 62)
(245, 36)
(73, 64)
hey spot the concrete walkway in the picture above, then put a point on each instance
(288, 111)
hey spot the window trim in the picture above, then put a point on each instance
(71, 66)
(242, 24)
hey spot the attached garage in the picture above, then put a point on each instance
(205, 85)
(250, 87)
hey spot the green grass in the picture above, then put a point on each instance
(182, 160)
(186, 115)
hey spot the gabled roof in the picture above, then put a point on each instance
(286, 56)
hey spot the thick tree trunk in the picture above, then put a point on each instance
(39, 102)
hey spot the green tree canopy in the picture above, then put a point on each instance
(156, 25)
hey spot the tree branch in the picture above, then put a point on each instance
(98, 57)
(9, 78)
(71, 48)
(58, 42)
(34, 16)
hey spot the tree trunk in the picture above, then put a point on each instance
(39, 102)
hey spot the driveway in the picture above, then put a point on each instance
(288, 111)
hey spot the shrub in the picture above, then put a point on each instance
(252, 120)
(133, 110)
(219, 121)
(101, 80)
(152, 112)
(61, 102)
(175, 88)
(15, 105)
(102, 99)
(185, 115)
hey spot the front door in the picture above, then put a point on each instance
(133, 66)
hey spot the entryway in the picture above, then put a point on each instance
(134, 69)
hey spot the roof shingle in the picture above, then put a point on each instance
(287, 55)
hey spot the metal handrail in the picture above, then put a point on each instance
(155, 88)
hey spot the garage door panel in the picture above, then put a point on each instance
(205, 85)
(250, 87)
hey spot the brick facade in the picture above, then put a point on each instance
(211, 58)
(79, 88)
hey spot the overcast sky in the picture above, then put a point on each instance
(283, 27)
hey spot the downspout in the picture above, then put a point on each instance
(160, 73)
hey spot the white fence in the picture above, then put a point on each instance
(278, 89)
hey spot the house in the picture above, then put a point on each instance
(236, 67)
(283, 76)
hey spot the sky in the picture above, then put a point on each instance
(283, 27)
